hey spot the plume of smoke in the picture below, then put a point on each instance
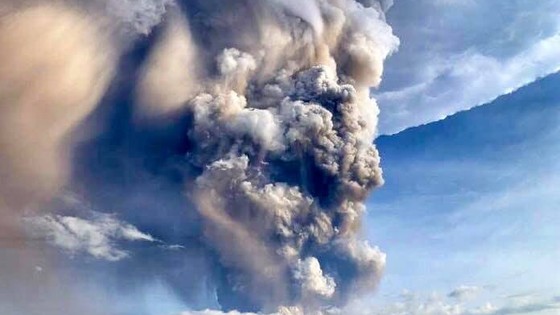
(53, 70)
(54, 67)
(137, 16)
(307, 10)
(280, 145)
(270, 100)
(170, 77)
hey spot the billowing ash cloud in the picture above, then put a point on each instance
(280, 143)
(242, 130)
(284, 184)
(55, 64)
(54, 68)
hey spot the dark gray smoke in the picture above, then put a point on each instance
(243, 131)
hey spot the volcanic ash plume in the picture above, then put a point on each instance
(280, 142)
(54, 67)
(260, 112)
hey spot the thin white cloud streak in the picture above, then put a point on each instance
(413, 303)
(95, 237)
(465, 81)
(438, 306)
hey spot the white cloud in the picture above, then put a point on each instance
(470, 79)
(96, 237)
(450, 63)
(313, 280)
(435, 304)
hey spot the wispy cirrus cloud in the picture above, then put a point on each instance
(98, 237)
(502, 47)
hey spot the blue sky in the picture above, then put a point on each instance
(472, 202)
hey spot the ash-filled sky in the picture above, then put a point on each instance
(210, 157)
